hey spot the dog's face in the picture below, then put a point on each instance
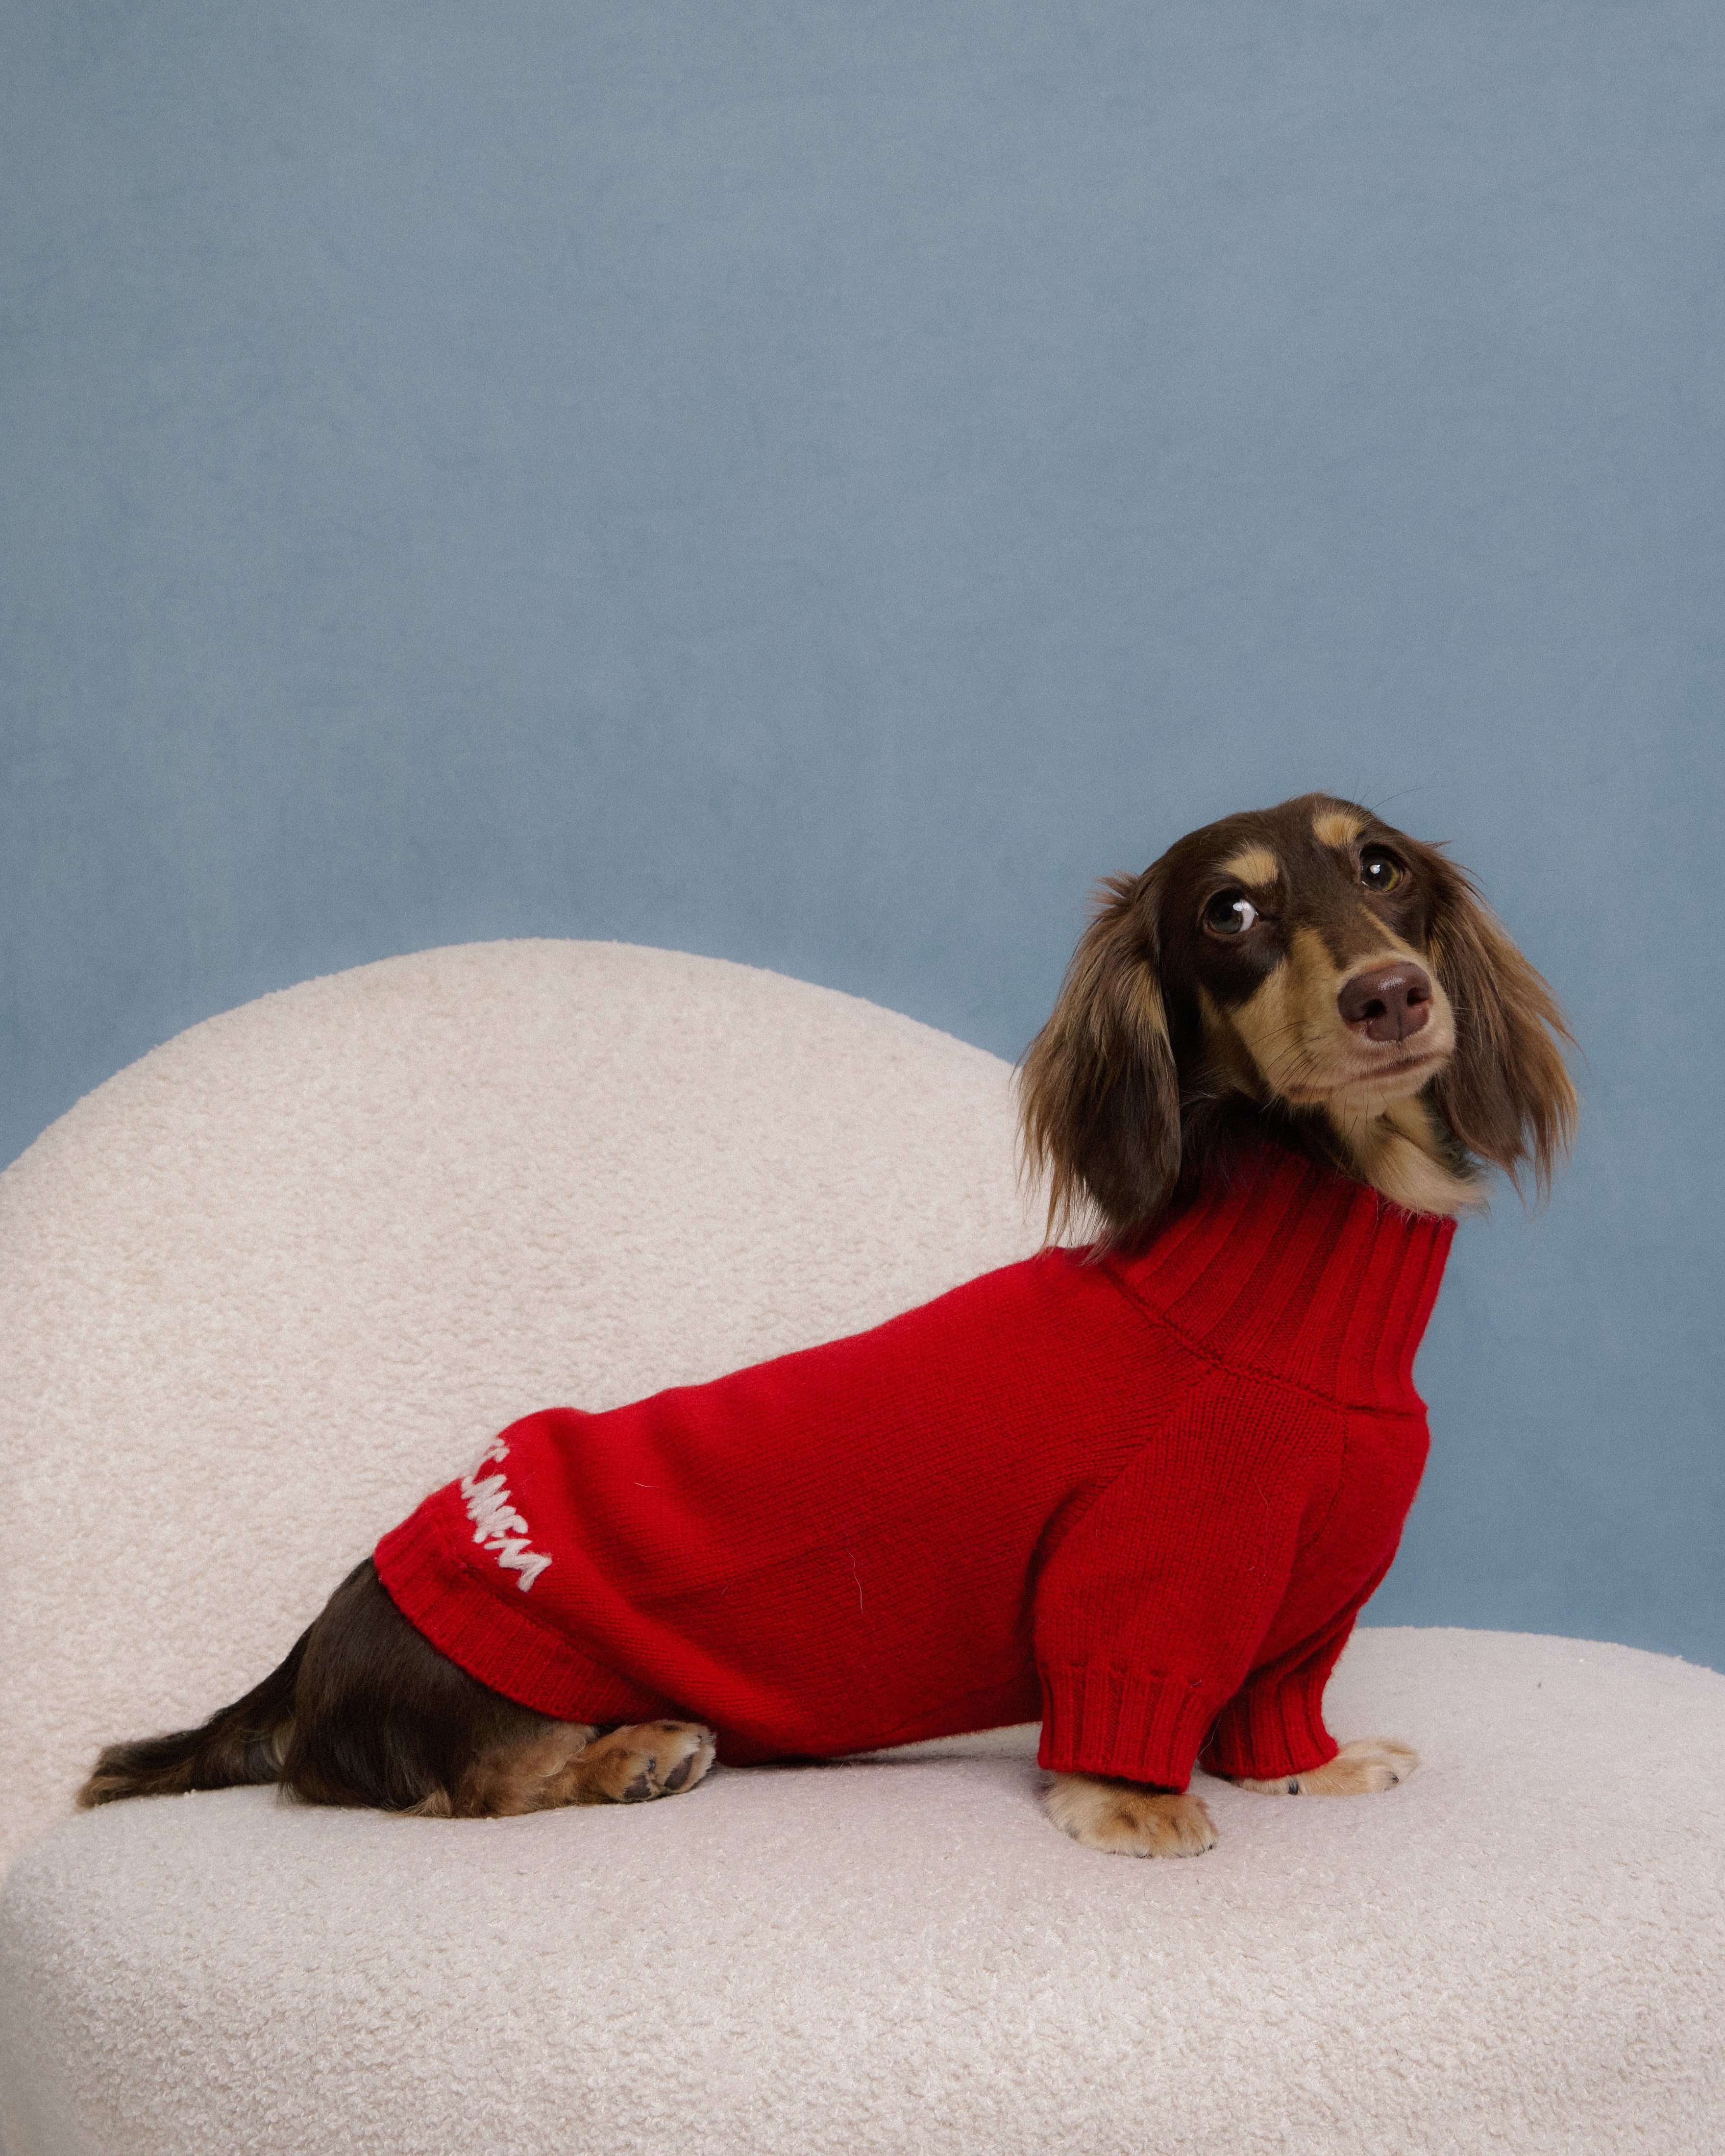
(1313, 966)
(1300, 937)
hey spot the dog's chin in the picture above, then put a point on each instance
(1354, 1094)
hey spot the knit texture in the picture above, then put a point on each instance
(1141, 1498)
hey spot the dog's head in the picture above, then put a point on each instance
(1312, 968)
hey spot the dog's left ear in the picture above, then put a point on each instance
(1505, 1094)
(1099, 1097)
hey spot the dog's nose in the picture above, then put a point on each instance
(1388, 1004)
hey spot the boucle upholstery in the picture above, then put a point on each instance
(260, 1291)
(263, 1290)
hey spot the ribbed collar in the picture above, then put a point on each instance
(1294, 1269)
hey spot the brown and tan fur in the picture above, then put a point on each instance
(1304, 969)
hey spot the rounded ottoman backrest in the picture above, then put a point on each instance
(261, 1292)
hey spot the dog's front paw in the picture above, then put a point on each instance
(1128, 1820)
(644, 1760)
(1359, 1769)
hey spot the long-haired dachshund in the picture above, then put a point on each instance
(1138, 1489)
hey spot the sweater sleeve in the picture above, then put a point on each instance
(1150, 1608)
(1274, 1724)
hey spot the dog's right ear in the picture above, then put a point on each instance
(1099, 1097)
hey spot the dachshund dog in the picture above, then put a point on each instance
(1304, 979)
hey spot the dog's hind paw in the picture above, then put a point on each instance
(1126, 1820)
(643, 1760)
(1360, 1770)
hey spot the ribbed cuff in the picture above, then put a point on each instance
(1096, 1720)
(1276, 1729)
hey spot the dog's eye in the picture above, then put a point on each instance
(1380, 871)
(1230, 914)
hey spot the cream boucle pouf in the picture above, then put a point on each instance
(261, 1290)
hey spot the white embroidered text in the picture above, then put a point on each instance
(497, 1526)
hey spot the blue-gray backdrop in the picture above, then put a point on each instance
(820, 482)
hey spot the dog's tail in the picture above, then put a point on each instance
(245, 1743)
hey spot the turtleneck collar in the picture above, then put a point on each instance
(1292, 1269)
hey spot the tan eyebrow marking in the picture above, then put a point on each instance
(1252, 864)
(1337, 827)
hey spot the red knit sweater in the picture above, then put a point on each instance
(1143, 1498)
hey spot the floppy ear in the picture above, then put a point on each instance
(1099, 1097)
(1505, 1094)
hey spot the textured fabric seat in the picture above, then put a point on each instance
(263, 1290)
